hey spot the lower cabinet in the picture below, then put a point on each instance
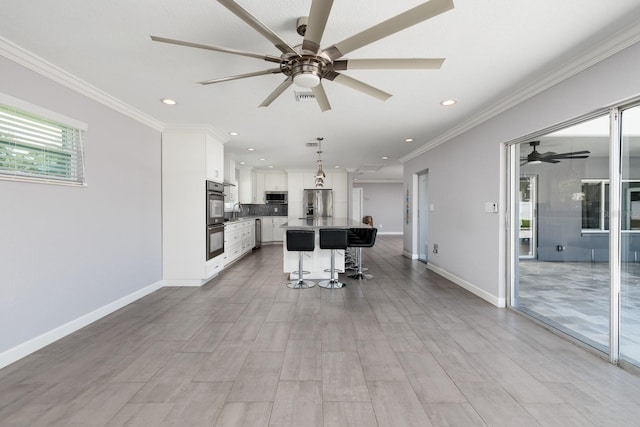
(239, 239)
(271, 229)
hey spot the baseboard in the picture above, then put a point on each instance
(22, 350)
(186, 283)
(390, 233)
(498, 302)
(409, 255)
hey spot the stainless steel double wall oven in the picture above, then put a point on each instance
(215, 219)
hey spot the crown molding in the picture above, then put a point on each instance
(25, 58)
(196, 128)
(377, 181)
(590, 57)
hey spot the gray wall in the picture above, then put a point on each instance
(383, 201)
(467, 171)
(67, 251)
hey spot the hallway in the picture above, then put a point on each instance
(407, 348)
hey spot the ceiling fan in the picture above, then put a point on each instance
(306, 65)
(535, 158)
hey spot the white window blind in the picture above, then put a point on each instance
(35, 148)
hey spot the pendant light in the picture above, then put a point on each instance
(320, 175)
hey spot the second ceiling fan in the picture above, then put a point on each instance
(308, 64)
(550, 157)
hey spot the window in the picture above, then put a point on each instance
(595, 205)
(35, 148)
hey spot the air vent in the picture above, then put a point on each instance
(305, 96)
(369, 168)
(311, 144)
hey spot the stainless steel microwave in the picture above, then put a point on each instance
(275, 197)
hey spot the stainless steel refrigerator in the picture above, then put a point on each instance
(317, 203)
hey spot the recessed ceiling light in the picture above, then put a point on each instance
(242, 163)
(263, 159)
(168, 101)
(448, 102)
(408, 140)
(337, 167)
(234, 133)
(385, 158)
(251, 149)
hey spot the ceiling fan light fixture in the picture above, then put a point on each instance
(306, 73)
(535, 162)
(306, 80)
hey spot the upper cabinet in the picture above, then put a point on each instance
(229, 170)
(214, 159)
(246, 185)
(275, 181)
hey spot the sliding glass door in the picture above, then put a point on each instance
(630, 237)
(562, 264)
(576, 192)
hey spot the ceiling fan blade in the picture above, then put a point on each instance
(572, 154)
(389, 64)
(549, 160)
(277, 92)
(241, 76)
(321, 97)
(268, 58)
(358, 85)
(254, 23)
(318, 16)
(390, 26)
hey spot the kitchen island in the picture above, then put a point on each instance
(319, 260)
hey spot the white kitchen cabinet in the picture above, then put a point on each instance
(271, 231)
(229, 170)
(214, 158)
(238, 240)
(275, 181)
(189, 158)
(260, 187)
(246, 185)
(278, 232)
(267, 229)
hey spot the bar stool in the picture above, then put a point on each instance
(333, 238)
(362, 238)
(301, 241)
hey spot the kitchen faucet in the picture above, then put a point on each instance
(235, 212)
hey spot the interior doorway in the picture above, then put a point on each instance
(527, 215)
(423, 216)
(357, 200)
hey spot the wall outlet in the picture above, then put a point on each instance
(275, 209)
(435, 248)
(379, 225)
(560, 248)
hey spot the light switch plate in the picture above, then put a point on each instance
(491, 207)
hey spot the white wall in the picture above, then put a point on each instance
(68, 251)
(466, 172)
(384, 202)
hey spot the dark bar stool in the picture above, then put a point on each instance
(301, 241)
(362, 238)
(333, 238)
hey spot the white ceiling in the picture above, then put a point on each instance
(493, 49)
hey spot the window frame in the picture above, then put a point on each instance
(42, 116)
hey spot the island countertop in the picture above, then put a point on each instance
(330, 222)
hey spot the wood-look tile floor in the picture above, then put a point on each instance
(407, 348)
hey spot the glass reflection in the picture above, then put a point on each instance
(630, 239)
(563, 264)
